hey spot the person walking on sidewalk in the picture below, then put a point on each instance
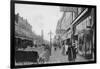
(63, 48)
(66, 48)
(70, 52)
(74, 52)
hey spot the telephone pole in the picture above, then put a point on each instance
(50, 33)
(42, 35)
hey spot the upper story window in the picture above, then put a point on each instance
(80, 9)
(16, 18)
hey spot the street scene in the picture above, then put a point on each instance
(53, 34)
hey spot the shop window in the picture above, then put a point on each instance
(88, 22)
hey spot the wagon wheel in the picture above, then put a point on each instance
(41, 61)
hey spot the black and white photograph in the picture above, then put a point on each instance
(47, 34)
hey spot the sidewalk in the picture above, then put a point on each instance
(57, 57)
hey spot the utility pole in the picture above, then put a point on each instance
(50, 33)
(42, 35)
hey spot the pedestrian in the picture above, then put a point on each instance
(76, 46)
(55, 48)
(74, 53)
(63, 48)
(66, 48)
(70, 52)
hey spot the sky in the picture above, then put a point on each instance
(41, 17)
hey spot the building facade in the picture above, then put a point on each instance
(64, 24)
(22, 27)
(78, 28)
(23, 33)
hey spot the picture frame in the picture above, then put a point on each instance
(80, 18)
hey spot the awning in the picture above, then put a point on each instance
(66, 36)
(85, 32)
(80, 16)
(69, 36)
(22, 36)
(21, 33)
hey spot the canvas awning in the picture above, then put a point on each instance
(80, 16)
(23, 34)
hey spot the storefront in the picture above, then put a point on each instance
(66, 37)
(22, 37)
(84, 34)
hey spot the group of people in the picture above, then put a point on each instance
(70, 49)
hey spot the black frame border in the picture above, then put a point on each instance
(12, 28)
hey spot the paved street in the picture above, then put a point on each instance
(57, 57)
